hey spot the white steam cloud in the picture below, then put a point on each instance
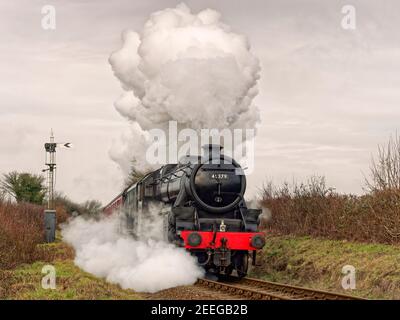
(148, 265)
(186, 67)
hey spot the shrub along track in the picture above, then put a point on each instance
(254, 289)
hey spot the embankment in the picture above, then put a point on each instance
(318, 263)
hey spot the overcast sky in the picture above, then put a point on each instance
(327, 95)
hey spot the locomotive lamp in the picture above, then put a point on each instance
(257, 241)
(194, 239)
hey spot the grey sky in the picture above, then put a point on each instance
(328, 96)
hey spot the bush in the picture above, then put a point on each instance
(316, 210)
(21, 230)
(89, 207)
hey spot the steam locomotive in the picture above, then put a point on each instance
(203, 210)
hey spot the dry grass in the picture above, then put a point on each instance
(21, 230)
(316, 210)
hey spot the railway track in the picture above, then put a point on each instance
(254, 289)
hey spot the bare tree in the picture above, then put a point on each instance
(91, 207)
(385, 169)
(135, 174)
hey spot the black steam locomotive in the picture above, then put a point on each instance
(203, 210)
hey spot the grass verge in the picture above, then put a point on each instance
(24, 282)
(318, 263)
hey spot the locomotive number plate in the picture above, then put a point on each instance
(219, 176)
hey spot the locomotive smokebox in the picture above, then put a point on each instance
(214, 184)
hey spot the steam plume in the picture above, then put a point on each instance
(148, 265)
(186, 67)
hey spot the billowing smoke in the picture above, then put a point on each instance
(148, 265)
(186, 67)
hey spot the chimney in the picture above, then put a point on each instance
(212, 151)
